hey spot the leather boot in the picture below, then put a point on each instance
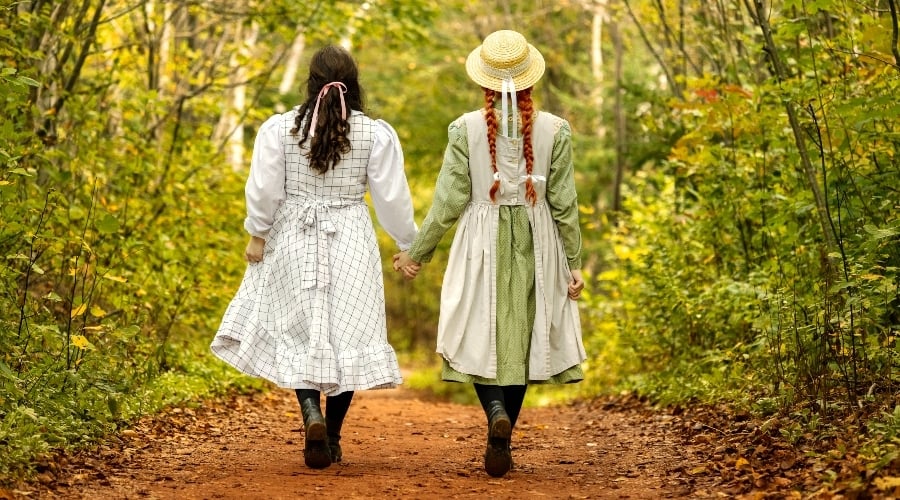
(315, 451)
(334, 448)
(336, 408)
(497, 457)
(334, 439)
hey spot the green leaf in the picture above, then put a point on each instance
(76, 212)
(107, 224)
(113, 404)
(130, 330)
(20, 171)
(28, 412)
(881, 233)
(6, 372)
(28, 81)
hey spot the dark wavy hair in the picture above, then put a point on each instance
(329, 64)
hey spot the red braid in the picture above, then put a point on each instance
(491, 118)
(526, 107)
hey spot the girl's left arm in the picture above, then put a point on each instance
(389, 188)
(561, 196)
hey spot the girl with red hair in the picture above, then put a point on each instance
(508, 313)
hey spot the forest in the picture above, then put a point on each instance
(738, 171)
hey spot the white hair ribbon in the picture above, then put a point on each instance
(538, 178)
(509, 88)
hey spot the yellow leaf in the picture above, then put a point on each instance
(115, 278)
(887, 483)
(80, 341)
(78, 311)
(97, 311)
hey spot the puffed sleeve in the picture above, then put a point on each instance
(264, 190)
(561, 196)
(388, 186)
(452, 193)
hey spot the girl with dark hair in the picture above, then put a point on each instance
(508, 312)
(309, 314)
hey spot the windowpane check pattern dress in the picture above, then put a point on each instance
(311, 315)
(506, 318)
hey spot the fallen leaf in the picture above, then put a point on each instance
(887, 482)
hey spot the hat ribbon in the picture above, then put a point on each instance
(509, 89)
(315, 116)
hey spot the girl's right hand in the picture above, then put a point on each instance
(576, 285)
(254, 251)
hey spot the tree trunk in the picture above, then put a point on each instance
(166, 40)
(621, 129)
(762, 20)
(291, 66)
(895, 33)
(235, 148)
(599, 13)
(347, 39)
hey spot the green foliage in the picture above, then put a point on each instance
(121, 231)
(427, 380)
(884, 445)
(724, 276)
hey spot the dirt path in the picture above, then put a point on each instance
(396, 445)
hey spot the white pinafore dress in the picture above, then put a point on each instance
(311, 315)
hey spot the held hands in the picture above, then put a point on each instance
(405, 265)
(410, 269)
(576, 285)
(254, 251)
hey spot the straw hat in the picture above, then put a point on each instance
(505, 54)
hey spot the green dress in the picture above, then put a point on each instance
(515, 254)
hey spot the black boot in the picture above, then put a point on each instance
(334, 448)
(335, 410)
(497, 457)
(513, 397)
(315, 450)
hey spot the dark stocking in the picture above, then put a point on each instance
(514, 396)
(335, 410)
(487, 394)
